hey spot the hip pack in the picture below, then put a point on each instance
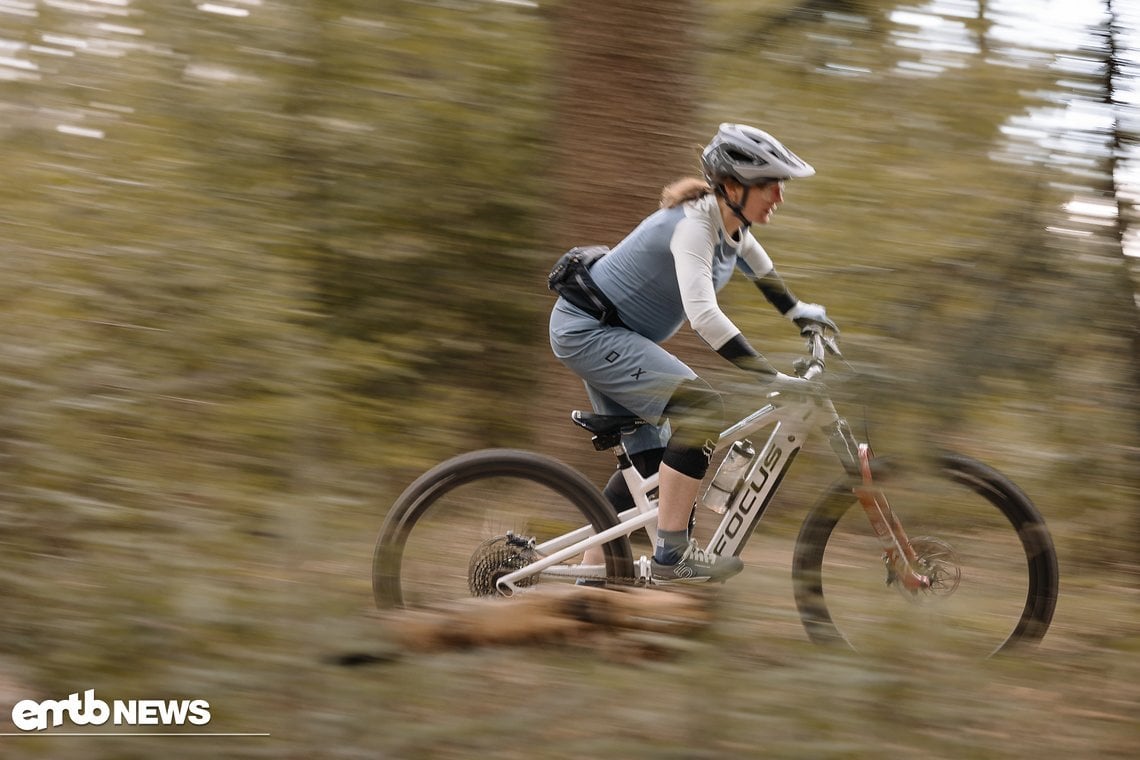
(570, 278)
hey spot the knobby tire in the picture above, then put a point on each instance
(1020, 515)
(574, 493)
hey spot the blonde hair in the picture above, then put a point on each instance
(684, 189)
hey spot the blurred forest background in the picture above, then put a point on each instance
(264, 262)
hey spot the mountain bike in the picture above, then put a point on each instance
(941, 551)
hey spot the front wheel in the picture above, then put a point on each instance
(469, 521)
(985, 547)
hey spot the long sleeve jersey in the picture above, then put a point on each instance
(671, 267)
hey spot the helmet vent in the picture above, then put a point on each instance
(744, 158)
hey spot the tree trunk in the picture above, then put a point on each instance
(1128, 280)
(623, 127)
(624, 112)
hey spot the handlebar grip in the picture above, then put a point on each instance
(819, 345)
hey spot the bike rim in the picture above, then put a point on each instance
(455, 537)
(996, 573)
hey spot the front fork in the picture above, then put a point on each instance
(898, 554)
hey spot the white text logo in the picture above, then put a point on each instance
(30, 715)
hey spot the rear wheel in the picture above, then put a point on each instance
(469, 521)
(985, 547)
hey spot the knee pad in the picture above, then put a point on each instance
(696, 413)
(692, 461)
(617, 492)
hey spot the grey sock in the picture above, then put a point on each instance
(671, 544)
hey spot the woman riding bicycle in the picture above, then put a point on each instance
(665, 271)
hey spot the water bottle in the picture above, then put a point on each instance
(728, 478)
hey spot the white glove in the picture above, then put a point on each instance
(804, 314)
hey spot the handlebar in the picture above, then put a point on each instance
(819, 345)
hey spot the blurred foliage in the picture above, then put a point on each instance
(259, 270)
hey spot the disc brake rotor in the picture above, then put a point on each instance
(938, 561)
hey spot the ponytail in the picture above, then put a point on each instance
(684, 189)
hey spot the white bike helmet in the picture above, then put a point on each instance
(750, 156)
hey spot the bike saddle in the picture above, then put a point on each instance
(607, 428)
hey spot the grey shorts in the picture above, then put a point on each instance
(624, 372)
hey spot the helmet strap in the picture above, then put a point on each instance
(736, 208)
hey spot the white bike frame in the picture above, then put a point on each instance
(790, 420)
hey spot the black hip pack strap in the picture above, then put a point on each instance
(570, 278)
